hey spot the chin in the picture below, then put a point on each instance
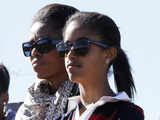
(74, 77)
(40, 69)
(42, 76)
(41, 73)
(37, 68)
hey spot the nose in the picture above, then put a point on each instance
(71, 53)
(34, 52)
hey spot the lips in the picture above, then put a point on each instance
(35, 61)
(73, 64)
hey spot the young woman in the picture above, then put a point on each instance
(91, 46)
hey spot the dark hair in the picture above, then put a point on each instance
(109, 33)
(55, 15)
(4, 79)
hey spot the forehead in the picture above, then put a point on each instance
(39, 29)
(75, 30)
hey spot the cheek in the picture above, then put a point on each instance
(95, 62)
(66, 61)
(92, 64)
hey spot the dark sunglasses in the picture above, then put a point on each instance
(43, 45)
(80, 47)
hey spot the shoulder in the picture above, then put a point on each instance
(130, 111)
(122, 110)
(14, 106)
(11, 110)
(10, 114)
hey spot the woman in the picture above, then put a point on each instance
(47, 97)
(91, 46)
(6, 113)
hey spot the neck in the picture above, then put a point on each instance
(56, 81)
(92, 92)
(92, 95)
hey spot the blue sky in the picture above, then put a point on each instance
(138, 21)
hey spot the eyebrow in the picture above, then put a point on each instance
(39, 38)
(80, 38)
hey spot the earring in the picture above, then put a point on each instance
(4, 103)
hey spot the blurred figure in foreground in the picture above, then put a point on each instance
(6, 113)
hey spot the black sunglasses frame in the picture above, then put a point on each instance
(43, 45)
(81, 50)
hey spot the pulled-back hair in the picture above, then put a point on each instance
(4, 79)
(55, 15)
(109, 33)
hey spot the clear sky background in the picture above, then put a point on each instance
(139, 23)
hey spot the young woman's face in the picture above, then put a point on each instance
(80, 68)
(49, 64)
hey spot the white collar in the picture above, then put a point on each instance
(74, 101)
(121, 96)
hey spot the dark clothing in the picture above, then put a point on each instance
(120, 110)
(10, 110)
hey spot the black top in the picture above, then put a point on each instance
(112, 111)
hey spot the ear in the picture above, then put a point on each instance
(110, 54)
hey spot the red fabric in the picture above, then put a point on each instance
(102, 117)
(138, 109)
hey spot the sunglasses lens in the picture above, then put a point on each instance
(81, 51)
(81, 48)
(27, 48)
(43, 46)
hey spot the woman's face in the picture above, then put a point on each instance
(80, 68)
(49, 64)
